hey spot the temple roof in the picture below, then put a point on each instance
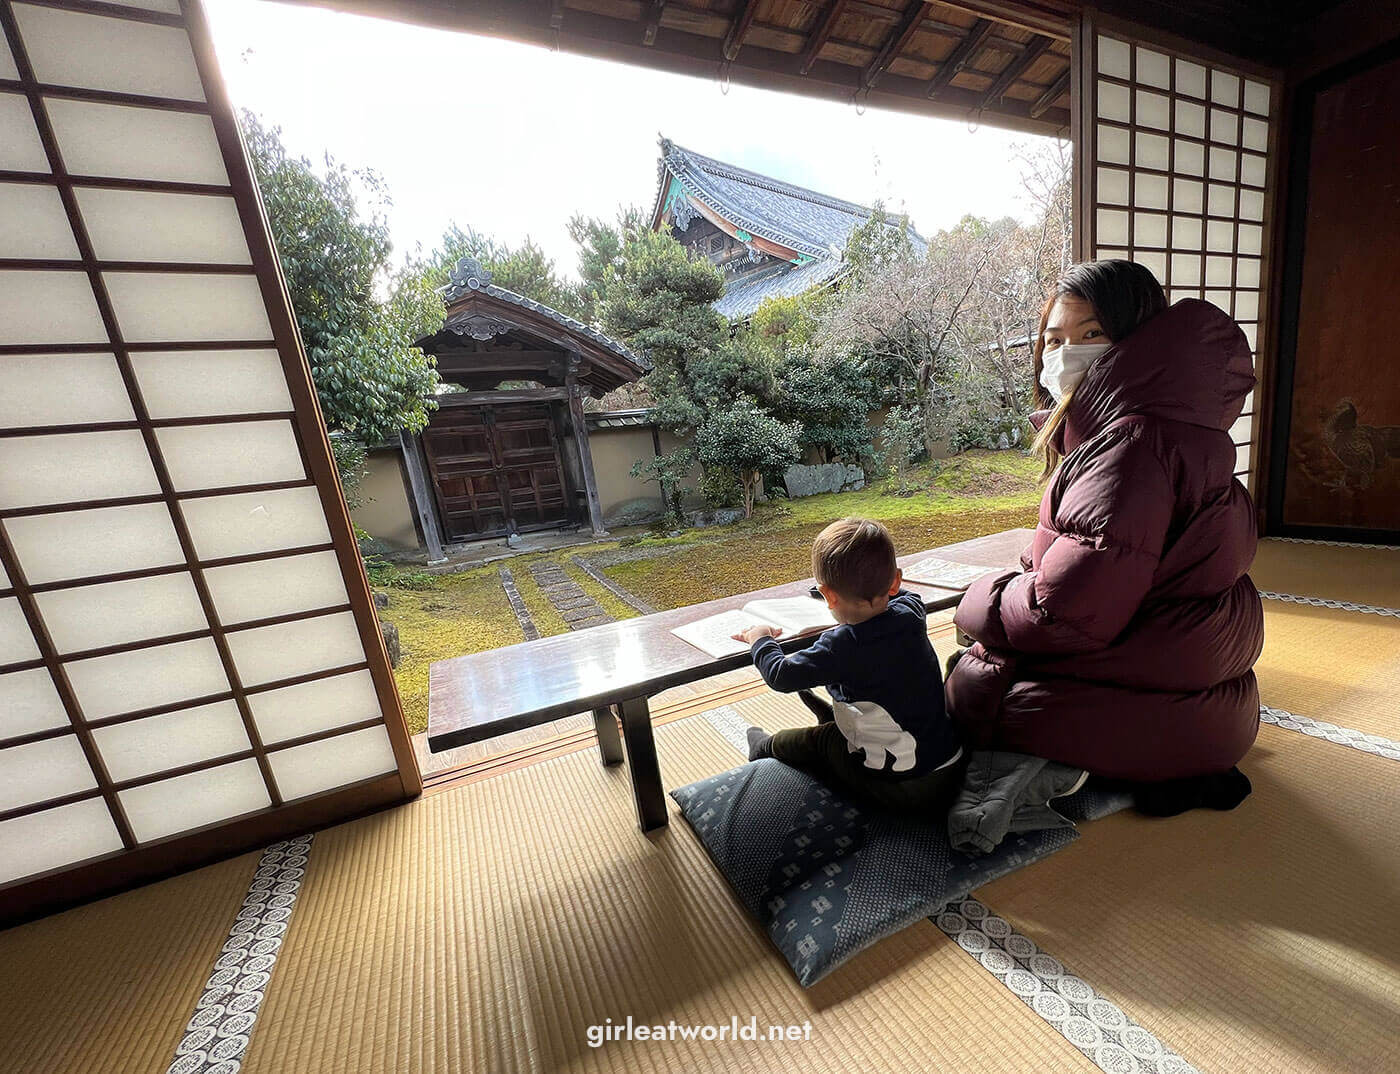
(814, 226)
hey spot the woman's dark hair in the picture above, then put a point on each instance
(1124, 294)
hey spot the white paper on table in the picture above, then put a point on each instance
(791, 615)
(796, 615)
(713, 633)
(949, 575)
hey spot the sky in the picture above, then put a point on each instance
(513, 139)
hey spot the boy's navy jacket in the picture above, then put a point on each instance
(885, 685)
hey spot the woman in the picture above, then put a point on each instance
(1125, 646)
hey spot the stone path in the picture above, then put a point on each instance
(522, 613)
(576, 607)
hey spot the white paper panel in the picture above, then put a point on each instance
(1112, 227)
(141, 225)
(1220, 199)
(4, 577)
(1219, 298)
(1220, 271)
(16, 640)
(1186, 270)
(177, 805)
(1255, 134)
(20, 148)
(56, 837)
(145, 678)
(1223, 163)
(1246, 305)
(1252, 169)
(1153, 69)
(1241, 430)
(1113, 186)
(1187, 195)
(161, 307)
(188, 384)
(1224, 126)
(1153, 110)
(1113, 101)
(48, 307)
(333, 762)
(1251, 204)
(29, 702)
(246, 591)
(1150, 191)
(95, 616)
(1251, 334)
(234, 453)
(1242, 458)
(1190, 158)
(1247, 272)
(67, 467)
(255, 522)
(1156, 263)
(1256, 98)
(1186, 232)
(42, 771)
(62, 389)
(1149, 229)
(33, 223)
(1113, 145)
(1190, 79)
(1225, 88)
(7, 61)
(81, 544)
(1151, 151)
(161, 743)
(310, 707)
(267, 654)
(1220, 236)
(71, 49)
(1190, 119)
(1114, 57)
(125, 142)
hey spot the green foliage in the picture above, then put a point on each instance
(659, 304)
(600, 255)
(831, 398)
(370, 378)
(902, 435)
(524, 269)
(388, 575)
(748, 440)
(669, 471)
(350, 457)
(879, 241)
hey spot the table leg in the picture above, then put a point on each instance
(609, 741)
(641, 764)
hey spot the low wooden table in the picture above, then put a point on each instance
(614, 669)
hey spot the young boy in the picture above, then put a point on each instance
(886, 737)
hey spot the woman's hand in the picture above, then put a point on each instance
(753, 633)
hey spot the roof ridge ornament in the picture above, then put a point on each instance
(471, 273)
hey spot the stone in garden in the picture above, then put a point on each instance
(636, 512)
(514, 541)
(381, 598)
(390, 633)
(822, 477)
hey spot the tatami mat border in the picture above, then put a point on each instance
(1342, 736)
(1323, 602)
(1097, 1026)
(1334, 544)
(217, 1034)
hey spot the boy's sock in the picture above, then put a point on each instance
(819, 708)
(759, 740)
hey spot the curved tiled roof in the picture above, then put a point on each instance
(743, 296)
(470, 275)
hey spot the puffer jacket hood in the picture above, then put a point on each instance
(1127, 644)
(1190, 363)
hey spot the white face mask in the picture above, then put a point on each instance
(1064, 367)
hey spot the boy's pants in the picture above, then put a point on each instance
(822, 752)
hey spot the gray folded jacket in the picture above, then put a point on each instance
(1008, 792)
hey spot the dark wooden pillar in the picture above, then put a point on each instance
(590, 481)
(424, 506)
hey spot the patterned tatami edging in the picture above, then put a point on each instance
(1342, 736)
(1323, 602)
(216, 1037)
(1335, 544)
(1098, 1027)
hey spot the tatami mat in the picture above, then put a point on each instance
(485, 928)
(1262, 939)
(107, 988)
(1360, 575)
(1338, 666)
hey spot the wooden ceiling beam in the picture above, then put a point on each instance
(1057, 89)
(823, 33)
(960, 57)
(913, 17)
(653, 22)
(743, 19)
(1015, 69)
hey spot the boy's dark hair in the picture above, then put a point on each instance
(855, 557)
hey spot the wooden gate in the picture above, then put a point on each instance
(496, 468)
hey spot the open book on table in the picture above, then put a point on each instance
(946, 574)
(792, 615)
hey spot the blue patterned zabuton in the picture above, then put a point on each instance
(825, 878)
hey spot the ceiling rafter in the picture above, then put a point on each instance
(739, 28)
(653, 22)
(1015, 69)
(1057, 89)
(914, 16)
(822, 34)
(960, 57)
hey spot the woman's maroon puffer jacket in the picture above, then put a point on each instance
(1126, 644)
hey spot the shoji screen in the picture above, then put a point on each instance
(189, 659)
(1178, 175)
